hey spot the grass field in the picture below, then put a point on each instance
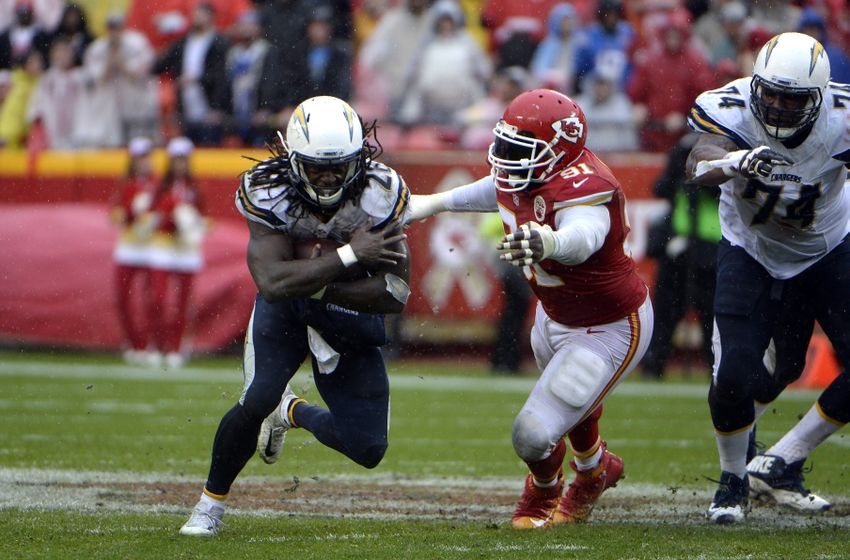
(103, 460)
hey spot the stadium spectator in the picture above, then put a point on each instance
(776, 16)
(14, 125)
(607, 43)
(132, 255)
(721, 30)
(662, 98)
(24, 35)
(325, 64)
(450, 71)
(476, 121)
(813, 24)
(176, 219)
(553, 64)
(366, 16)
(55, 105)
(284, 21)
(123, 100)
(246, 63)
(73, 28)
(164, 21)
(386, 60)
(686, 256)
(609, 113)
(46, 13)
(196, 64)
(515, 27)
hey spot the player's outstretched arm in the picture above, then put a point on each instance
(479, 196)
(714, 160)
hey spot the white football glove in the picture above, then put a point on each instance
(521, 240)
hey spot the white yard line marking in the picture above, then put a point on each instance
(360, 496)
(397, 381)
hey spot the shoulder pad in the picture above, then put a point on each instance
(256, 202)
(583, 190)
(723, 111)
(386, 195)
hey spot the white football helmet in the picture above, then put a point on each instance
(325, 136)
(790, 75)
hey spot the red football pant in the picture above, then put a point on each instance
(130, 282)
(169, 307)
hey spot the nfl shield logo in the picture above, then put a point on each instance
(539, 208)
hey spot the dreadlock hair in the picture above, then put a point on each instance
(274, 170)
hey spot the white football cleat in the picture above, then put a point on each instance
(274, 428)
(205, 520)
(731, 501)
(774, 479)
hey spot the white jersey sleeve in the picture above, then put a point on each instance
(790, 220)
(386, 195)
(258, 203)
(479, 196)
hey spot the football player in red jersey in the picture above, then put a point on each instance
(565, 223)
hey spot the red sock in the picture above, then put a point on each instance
(585, 435)
(547, 469)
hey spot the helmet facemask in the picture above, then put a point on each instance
(324, 182)
(518, 160)
(783, 110)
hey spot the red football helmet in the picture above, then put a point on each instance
(541, 132)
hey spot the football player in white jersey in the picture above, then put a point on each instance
(777, 144)
(320, 187)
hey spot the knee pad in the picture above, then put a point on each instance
(735, 375)
(530, 437)
(577, 376)
(259, 403)
(370, 457)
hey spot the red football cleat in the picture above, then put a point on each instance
(585, 490)
(536, 505)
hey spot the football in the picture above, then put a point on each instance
(304, 247)
(304, 250)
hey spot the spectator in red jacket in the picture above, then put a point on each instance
(667, 78)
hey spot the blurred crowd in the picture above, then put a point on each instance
(436, 74)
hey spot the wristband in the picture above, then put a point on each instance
(346, 255)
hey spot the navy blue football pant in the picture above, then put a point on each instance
(749, 305)
(356, 392)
